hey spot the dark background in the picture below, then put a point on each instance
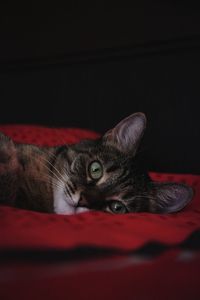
(89, 64)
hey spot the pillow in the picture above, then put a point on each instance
(95, 255)
(128, 231)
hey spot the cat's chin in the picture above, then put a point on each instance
(81, 210)
(72, 211)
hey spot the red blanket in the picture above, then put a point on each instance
(140, 256)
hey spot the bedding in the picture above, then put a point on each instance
(95, 255)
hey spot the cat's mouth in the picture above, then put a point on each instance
(66, 204)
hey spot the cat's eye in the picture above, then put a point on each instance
(117, 207)
(95, 170)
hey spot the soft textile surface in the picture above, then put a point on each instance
(168, 277)
(32, 235)
(130, 231)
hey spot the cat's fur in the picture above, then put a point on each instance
(57, 179)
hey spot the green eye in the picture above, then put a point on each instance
(95, 170)
(117, 207)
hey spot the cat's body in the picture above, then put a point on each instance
(102, 175)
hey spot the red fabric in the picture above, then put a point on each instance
(21, 229)
(166, 277)
(128, 231)
(44, 136)
(94, 228)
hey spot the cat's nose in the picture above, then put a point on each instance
(91, 199)
(82, 202)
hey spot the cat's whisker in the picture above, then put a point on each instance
(65, 190)
(61, 176)
(52, 172)
(49, 169)
(60, 179)
(48, 179)
(68, 194)
(54, 169)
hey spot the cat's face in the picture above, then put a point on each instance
(106, 175)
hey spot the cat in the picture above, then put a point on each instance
(103, 174)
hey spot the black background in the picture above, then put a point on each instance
(89, 64)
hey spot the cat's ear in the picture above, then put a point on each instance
(126, 135)
(170, 197)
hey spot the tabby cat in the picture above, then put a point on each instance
(103, 174)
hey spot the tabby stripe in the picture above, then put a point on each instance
(70, 187)
(123, 178)
(112, 168)
(67, 191)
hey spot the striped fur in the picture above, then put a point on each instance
(57, 179)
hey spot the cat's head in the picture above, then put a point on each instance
(107, 175)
